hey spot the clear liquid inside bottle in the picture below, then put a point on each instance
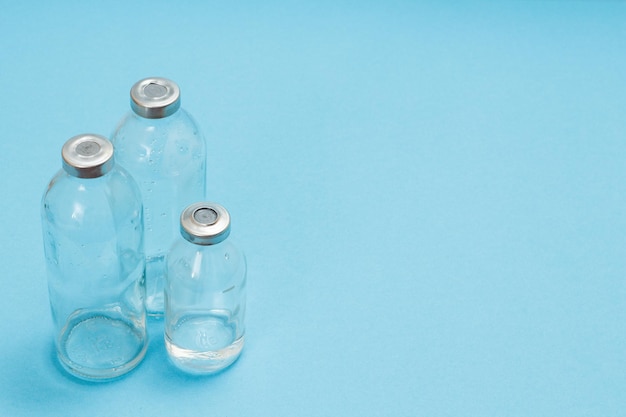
(203, 341)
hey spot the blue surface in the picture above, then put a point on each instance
(431, 198)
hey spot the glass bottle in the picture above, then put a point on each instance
(93, 242)
(205, 293)
(160, 145)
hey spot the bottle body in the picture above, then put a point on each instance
(167, 159)
(93, 243)
(205, 303)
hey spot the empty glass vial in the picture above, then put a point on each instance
(160, 145)
(93, 242)
(205, 293)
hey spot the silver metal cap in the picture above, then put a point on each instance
(155, 98)
(87, 156)
(205, 223)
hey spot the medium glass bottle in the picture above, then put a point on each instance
(205, 293)
(160, 145)
(93, 242)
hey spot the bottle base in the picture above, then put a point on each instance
(100, 345)
(204, 362)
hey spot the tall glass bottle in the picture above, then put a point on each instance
(160, 145)
(205, 293)
(93, 242)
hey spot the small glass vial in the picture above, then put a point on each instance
(93, 242)
(161, 146)
(205, 293)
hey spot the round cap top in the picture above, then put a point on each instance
(87, 156)
(155, 98)
(205, 223)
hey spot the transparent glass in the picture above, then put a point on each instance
(205, 305)
(93, 243)
(167, 158)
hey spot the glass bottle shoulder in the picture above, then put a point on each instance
(69, 199)
(153, 132)
(189, 261)
(226, 249)
(172, 146)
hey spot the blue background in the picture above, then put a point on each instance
(431, 198)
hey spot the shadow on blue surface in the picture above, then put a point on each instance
(40, 385)
(36, 386)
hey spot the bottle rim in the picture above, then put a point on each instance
(155, 97)
(87, 156)
(205, 223)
